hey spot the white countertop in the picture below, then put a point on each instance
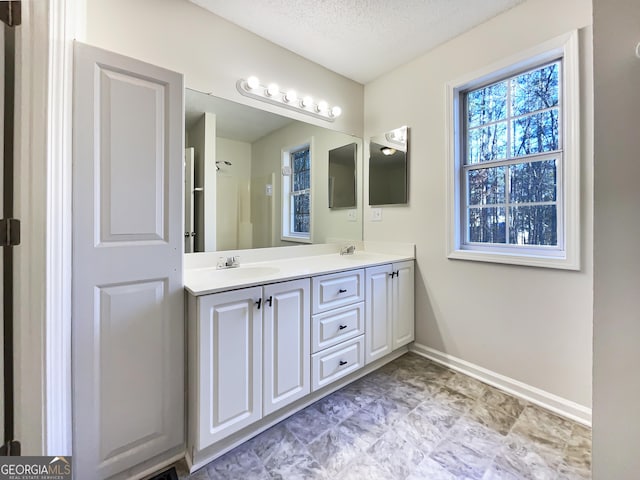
(208, 279)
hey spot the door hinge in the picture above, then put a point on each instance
(11, 448)
(11, 12)
(9, 232)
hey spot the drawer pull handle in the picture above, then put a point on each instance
(342, 290)
(343, 362)
(342, 327)
(269, 300)
(259, 303)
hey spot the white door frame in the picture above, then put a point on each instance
(43, 203)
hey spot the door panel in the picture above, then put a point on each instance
(127, 298)
(127, 134)
(130, 316)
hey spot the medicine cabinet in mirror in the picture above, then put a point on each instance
(388, 168)
(234, 178)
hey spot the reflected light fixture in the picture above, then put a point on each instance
(306, 102)
(290, 97)
(251, 87)
(388, 150)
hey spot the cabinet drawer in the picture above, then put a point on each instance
(337, 290)
(335, 326)
(336, 362)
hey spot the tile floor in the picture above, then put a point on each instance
(412, 419)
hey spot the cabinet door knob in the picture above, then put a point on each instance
(343, 362)
(342, 290)
(269, 300)
(259, 303)
(342, 327)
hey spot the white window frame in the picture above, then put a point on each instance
(287, 233)
(567, 254)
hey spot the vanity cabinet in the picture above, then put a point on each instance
(259, 354)
(229, 363)
(253, 355)
(338, 327)
(390, 319)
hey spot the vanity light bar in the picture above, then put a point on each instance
(251, 87)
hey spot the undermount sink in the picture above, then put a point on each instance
(242, 273)
(361, 256)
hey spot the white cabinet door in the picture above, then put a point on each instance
(378, 312)
(403, 304)
(287, 340)
(127, 310)
(230, 363)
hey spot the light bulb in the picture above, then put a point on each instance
(306, 102)
(291, 96)
(272, 89)
(336, 111)
(253, 83)
(388, 150)
(322, 106)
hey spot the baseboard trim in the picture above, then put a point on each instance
(556, 404)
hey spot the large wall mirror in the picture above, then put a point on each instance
(389, 168)
(256, 179)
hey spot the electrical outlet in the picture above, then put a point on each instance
(352, 215)
(268, 190)
(376, 214)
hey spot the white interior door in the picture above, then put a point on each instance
(189, 227)
(127, 298)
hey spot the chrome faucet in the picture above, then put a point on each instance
(348, 250)
(228, 262)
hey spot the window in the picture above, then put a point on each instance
(512, 153)
(514, 149)
(296, 194)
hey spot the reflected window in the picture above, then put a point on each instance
(296, 192)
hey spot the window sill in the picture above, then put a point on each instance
(296, 239)
(562, 263)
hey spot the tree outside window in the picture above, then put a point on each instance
(512, 159)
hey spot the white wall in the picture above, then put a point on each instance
(213, 54)
(616, 409)
(533, 325)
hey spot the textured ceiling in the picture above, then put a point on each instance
(360, 39)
